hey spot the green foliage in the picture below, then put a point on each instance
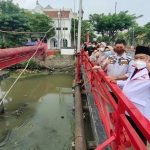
(13, 18)
(40, 23)
(139, 35)
(85, 28)
(147, 33)
(57, 53)
(72, 29)
(31, 66)
(110, 25)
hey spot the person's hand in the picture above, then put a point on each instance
(95, 67)
(97, 55)
(108, 61)
(148, 66)
(95, 51)
(111, 78)
(114, 81)
(86, 53)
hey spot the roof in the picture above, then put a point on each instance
(48, 7)
(54, 14)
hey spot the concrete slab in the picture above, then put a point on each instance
(4, 74)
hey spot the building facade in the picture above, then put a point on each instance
(62, 23)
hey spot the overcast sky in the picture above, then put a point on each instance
(138, 7)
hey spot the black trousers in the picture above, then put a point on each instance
(115, 98)
(132, 123)
(137, 129)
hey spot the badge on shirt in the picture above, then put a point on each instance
(123, 62)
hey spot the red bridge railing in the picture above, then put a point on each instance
(12, 56)
(119, 131)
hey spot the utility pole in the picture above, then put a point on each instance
(115, 7)
(79, 25)
(74, 26)
(58, 29)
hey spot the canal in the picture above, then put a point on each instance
(38, 113)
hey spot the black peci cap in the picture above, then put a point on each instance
(142, 50)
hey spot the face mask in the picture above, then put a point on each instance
(140, 64)
(102, 49)
(119, 51)
(108, 53)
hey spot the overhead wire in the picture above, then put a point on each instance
(10, 32)
(25, 66)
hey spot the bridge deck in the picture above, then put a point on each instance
(97, 127)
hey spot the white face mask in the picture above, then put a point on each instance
(102, 49)
(140, 64)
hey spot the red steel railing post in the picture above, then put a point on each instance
(77, 67)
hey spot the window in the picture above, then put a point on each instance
(58, 28)
(65, 28)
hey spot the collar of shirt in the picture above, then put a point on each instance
(123, 56)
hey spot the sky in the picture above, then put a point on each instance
(138, 7)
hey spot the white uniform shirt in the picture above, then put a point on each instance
(116, 69)
(137, 89)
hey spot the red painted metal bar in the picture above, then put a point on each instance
(114, 120)
(77, 67)
(12, 56)
(106, 143)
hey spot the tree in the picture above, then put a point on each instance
(85, 28)
(72, 29)
(12, 18)
(135, 35)
(40, 23)
(147, 33)
(109, 25)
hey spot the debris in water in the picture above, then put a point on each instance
(62, 117)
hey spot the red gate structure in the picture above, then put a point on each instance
(120, 133)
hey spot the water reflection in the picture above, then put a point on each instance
(40, 126)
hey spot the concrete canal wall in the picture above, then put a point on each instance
(56, 61)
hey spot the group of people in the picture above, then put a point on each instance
(132, 75)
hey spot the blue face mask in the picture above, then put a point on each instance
(108, 53)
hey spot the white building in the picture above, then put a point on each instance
(62, 23)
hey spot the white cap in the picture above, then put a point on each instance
(103, 43)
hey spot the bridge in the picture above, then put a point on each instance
(12, 56)
(110, 127)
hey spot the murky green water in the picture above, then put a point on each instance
(43, 101)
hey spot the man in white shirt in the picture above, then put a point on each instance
(137, 86)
